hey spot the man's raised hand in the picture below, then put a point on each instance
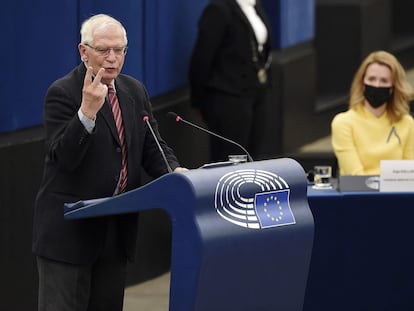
(93, 93)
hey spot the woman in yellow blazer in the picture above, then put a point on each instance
(378, 125)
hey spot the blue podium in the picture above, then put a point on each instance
(362, 255)
(242, 234)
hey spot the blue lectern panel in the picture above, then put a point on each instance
(241, 235)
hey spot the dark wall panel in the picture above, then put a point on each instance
(39, 39)
(346, 32)
(284, 16)
(21, 171)
(170, 33)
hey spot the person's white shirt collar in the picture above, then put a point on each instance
(246, 2)
(259, 28)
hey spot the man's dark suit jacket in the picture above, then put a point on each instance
(80, 166)
(222, 55)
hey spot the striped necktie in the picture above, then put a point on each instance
(120, 127)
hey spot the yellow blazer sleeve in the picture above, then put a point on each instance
(408, 152)
(344, 146)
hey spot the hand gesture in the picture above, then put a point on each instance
(93, 93)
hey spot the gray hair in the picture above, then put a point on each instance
(100, 21)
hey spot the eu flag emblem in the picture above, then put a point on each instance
(273, 208)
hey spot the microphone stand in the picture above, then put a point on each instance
(178, 119)
(146, 119)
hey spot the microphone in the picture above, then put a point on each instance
(178, 119)
(145, 118)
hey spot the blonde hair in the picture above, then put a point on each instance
(398, 106)
(96, 22)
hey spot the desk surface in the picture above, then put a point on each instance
(363, 255)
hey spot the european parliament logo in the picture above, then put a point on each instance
(254, 199)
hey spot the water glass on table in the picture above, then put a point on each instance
(322, 177)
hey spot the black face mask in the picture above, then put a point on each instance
(376, 96)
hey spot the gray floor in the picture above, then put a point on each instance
(152, 295)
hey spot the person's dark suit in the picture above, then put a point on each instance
(222, 72)
(81, 166)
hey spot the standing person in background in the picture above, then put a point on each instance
(378, 125)
(96, 143)
(230, 73)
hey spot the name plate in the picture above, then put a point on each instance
(397, 176)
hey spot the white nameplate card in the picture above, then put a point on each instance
(397, 176)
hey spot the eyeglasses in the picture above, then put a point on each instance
(104, 51)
